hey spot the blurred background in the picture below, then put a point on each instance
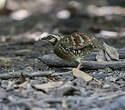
(29, 18)
(22, 22)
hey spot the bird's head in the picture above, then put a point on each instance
(52, 38)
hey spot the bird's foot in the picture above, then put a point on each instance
(86, 77)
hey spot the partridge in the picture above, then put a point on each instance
(75, 46)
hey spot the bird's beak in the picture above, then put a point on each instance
(52, 40)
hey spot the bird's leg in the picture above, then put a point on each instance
(79, 65)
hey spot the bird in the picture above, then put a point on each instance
(75, 46)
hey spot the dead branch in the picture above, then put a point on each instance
(92, 56)
(60, 100)
(6, 76)
(53, 60)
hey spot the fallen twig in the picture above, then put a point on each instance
(93, 55)
(53, 60)
(31, 75)
(20, 42)
(115, 65)
(62, 99)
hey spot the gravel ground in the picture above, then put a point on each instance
(21, 51)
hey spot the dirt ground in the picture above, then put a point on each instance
(21, 50)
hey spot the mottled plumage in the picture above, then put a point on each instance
(73, 47)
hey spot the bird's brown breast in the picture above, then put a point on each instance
(74, 46)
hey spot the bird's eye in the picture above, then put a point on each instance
(50, 37)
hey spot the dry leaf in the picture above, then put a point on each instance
(48, 86)
(81, 74)
(112, 52)
(86, 77)
(107, 57)
(100, 57)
